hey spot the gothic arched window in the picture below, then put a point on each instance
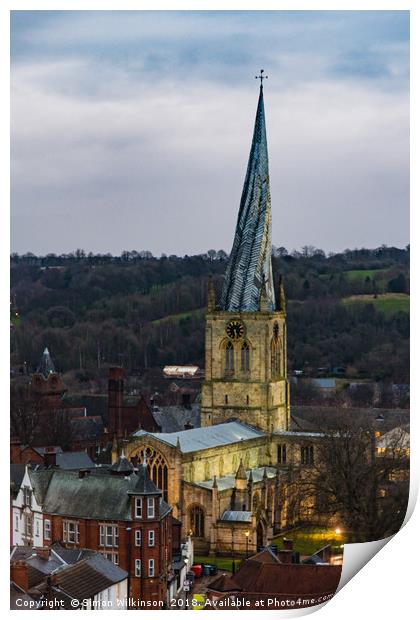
(197, 521)
(229, 358)
(245, 365)
(158, 469)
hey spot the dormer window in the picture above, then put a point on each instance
(137, 507)
(150, 507)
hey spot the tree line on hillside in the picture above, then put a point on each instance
(145, 312)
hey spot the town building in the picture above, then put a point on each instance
(119, 513)
(59, 578)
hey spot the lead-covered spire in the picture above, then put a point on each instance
(249, 268)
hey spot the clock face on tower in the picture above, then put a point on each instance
(235, 329)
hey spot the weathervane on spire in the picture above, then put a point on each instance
(261, 77)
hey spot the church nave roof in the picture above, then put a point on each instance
(195, 439)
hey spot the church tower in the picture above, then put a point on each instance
(245, 350)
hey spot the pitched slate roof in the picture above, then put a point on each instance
(17, 471)
(74, 460)
(144, 485)
(88, 577)
(249, 271)
(40, 479)
(237, 515)
(122, 466)
(228, 482)
(94, 496)
(206, 437)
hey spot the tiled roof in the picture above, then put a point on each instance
(224, 583)
(206, 437)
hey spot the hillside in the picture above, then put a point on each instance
(344, 310)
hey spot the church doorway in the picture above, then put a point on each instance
(197, 521)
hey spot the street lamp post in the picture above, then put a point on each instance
(247, 538)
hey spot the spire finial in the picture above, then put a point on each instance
(261, 77)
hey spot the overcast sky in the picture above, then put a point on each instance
(131, 130)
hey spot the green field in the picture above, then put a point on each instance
(362, 274)
(178, 317)
(388, 303)
(307, 540)
(358, 274)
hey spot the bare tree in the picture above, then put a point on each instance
(24, 413)
(354, 482)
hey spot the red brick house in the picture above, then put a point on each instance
(119, 513)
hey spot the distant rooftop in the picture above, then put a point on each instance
(181, 371)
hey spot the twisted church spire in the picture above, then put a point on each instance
(249, 272)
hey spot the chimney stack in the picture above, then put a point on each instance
(50, 456)
(19, 574)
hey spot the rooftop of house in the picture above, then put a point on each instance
(264, 573)
(17, 471)
(64, 460)
(92, 495)
(69, 574)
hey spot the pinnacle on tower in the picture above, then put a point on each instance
(241, 473)
(249, 263)
(282, 296)
(46, 365)
(211, 296)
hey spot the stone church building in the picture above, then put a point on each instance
(229, 480)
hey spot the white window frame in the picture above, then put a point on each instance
(108, 535)
(28, 525)
(138, 507)
(47, 529)
(151, 568)
(27, 497)
(137, 538)
(137, 568)
(151, 538)
(112, 556)
(71, 532)
(150, 507)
